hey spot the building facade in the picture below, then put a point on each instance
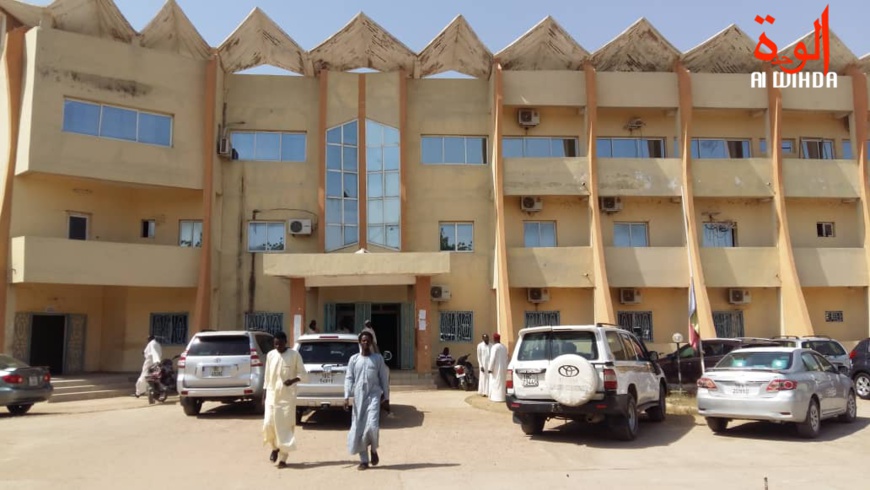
(151, 189)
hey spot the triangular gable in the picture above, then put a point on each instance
(25, 13)
(546, 46)
(456, 48)
(841, 56)
(864, 63)
(98, 18)
(362, 43)
(171, 30)
(640, 48)
(259, 41)
(729, 51)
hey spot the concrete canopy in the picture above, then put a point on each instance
(841, 56)
(357, 269)
(640, 48)
(363, 43)
(98, 18)
(456, 48)
(730, 51)
(24, 12)
(171, 30)
(258, 41)
(546, 46)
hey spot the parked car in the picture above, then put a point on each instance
(714, 350)
(223, 366)
(826, 346)
(776, 384)
(860, 357)
(589, 373)
(22, 385)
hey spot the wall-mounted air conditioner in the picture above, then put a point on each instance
(739, 297)
(629, 296)
(299, 226)
(439, 293)
(225, 148)
(610, 204)
(531, 204)
(538, 295)
(528, 118)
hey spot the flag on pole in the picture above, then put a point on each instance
(694, 329)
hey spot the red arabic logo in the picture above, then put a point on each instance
(800, 54)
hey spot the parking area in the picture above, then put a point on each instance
(435, 439)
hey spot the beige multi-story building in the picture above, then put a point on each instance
(150, 189)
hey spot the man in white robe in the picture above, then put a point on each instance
(368, 381)
(284, 368)
(497, 369)
(483, 361)
(367, 327)
(153, 355)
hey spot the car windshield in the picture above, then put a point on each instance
(7, 362)
(541, 346)
(220, 345)
(764, 361)
(327, 352)
(826, 347)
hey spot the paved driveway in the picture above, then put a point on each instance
(436, 440)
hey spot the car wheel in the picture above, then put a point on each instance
(191, 407)
(532, 424)
(851, 412)
(862, 385)
(717, 425)
(625, 426)
(19, 409)
(659, 412)
(810, 427)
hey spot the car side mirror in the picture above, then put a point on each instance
(388, 355)
(842, 370)
(654, 356)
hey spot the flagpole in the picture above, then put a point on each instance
(694, 330)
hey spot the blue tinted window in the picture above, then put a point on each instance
(155, 129)
(453, 150)
(631, 147)
(117, 123)
(540, 147)
(79, 117)
(384, 188)
(342, 185)
(272, 146)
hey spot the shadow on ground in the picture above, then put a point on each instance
(650, 434)
(401, 417)
(242, 410)
(831, 430)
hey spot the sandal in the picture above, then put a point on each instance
(274, 456)
(282, 464)
(375, 458)
(363, 466)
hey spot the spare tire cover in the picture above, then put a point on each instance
(571, 379)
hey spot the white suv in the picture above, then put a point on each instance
(589, 373)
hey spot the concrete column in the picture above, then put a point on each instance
(859, 143)
(323, 97)
(297, 305)
(794, 316)
(423, 303)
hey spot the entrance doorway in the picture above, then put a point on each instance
(47, 342)
(385, 322)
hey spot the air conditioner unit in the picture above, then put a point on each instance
(610, 204)
(439, 293)
(739, 297)
(299, 226)
(531, 204)
(629, 296)
(528, 118)
(538, 295)
(225, 149)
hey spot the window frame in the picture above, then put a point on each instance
(76, 214)
(150, 232)
(634, 314)
(539, 223)
(280, 145)
(283, 225)
(631, 225)
(637, 140)
(695, 146)
(459, 328)
(822, 143)
(455, 225)
(343, 224)
(102, 106)
(465, 138)
(162, 339)
(822, 228)
(250, 317)
(384, 224)
(575, 139)
(733, 230)
(193, 223)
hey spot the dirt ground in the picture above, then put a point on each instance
(436, 439)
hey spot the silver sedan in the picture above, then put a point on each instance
(21, 385)
(776, 384)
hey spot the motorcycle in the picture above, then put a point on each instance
(162, 381)
(465, 374)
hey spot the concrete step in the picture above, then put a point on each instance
(92, 386)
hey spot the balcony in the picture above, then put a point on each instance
(550, 267)
(546, 176)
(821, 178)
(524, 88)
(651, 177)
(831, 267)
(732, 177)
(747, 267)
(655, 267)
(61, 261)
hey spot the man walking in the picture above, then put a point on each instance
(367, 327)
(367, 380)
(284, 368)
(497, 369)
(153, 355)
(483, 361)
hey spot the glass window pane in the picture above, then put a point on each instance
(537, 147)
(621, 235)
(118, 123)
(531, 234)
(267, 146)
(391, 158)
(604, 148)
(351, 213)
(375, 211)
(762, 145)
(475, 150)
(712, 149)
(638, 235)
(349, 158)
(454, 150)
(374, 133)
(351, 185)
(257, 236)
(334, 238)
(80, 117)
(333, 211)
(828, 150)
(185, 234)
(155, 129)
(391, 136)
(376, 234)
(650, 148)
(375, 186)
(275, 236)
(448, 237)
(374, 158)
(548, 235)
(351, 235)
(432, 149)
(197, 233)
(293, 147)
(392, 209)
(333, 184)
(334, 136)
(243, 143)
(333, 157)
(349, 132)
(512, 147)
(465, 237)
(391, 184)
(847, 149)
(696, 148)
(393, 236)
(624, 148)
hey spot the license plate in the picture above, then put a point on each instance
(529, 380)
(217, 371)
(740, 390)
(33, 380)
(326, 378)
